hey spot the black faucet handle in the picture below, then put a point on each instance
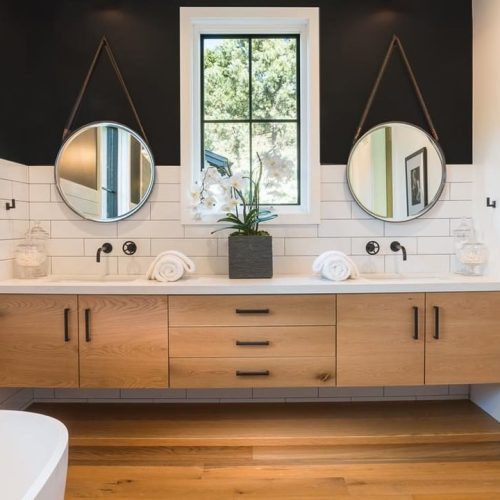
(129, 248)
(372, 248)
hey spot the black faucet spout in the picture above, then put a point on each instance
(396, 246)
(105, 248)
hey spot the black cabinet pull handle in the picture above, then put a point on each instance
(88, 338)
(252, 342)
(66, 325)
(415, 323)
(252, 311)
(262, 373)
(436, 322)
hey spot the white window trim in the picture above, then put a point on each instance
(304, 21)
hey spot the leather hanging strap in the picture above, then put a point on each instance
(103, 46)
(396, 43)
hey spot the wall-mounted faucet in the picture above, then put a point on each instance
(396, 247)
(105, 248)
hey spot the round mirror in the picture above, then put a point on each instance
(396, 172)
(104, 171)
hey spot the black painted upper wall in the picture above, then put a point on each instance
(46, 49)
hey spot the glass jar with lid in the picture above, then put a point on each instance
(473, 257)
(464, 233)
(31, 257)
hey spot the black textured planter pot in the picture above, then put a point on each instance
(250, 257)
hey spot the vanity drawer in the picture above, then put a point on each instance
(251, 341)
(252, 310)
(252, 372)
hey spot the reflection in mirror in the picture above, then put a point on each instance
(396, 172)
(105, 171)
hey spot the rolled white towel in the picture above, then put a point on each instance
(170, 266)
(335, 266)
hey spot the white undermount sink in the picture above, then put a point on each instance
(400, 276)
(106, 278)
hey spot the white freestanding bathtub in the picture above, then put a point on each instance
(33, 456)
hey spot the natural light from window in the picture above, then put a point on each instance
(250, 108)
(250, 92)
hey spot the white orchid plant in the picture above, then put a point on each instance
(236, 195)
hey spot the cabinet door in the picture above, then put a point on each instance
(38, 341)
(380, 339)
(462, 338)
(123, 341)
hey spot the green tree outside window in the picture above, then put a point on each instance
(251, 106)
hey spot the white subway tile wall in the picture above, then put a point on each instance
(13, 223)
(157, 227)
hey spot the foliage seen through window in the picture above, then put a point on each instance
(250, 106)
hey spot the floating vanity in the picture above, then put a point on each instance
(210, 332)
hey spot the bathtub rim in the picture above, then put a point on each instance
(60, 445)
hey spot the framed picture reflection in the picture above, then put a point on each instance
(416, 181)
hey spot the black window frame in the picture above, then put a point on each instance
(250, 119)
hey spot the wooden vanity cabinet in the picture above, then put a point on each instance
(380, 339)
(38, 341)
(123, 341)
(462, 338)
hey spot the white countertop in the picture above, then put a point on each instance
(222, 285)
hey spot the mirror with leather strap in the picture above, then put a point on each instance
(396, 171)
(104, 170)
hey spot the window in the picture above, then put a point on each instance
(249, 90)
(250, 101)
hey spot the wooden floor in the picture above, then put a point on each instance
(398, 451)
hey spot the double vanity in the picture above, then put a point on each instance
(211, 332)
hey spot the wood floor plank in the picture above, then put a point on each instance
(160, 455)
(468, 496)
(429, 472)
(378, 453)
(460, 496)
(154, 482)
(417, 487)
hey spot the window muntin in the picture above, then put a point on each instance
(250, 105)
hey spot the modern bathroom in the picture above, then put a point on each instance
(248, 249)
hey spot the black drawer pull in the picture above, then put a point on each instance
(436, 322)
(252, 342)
(262, 373)
(415, 322)
(252, 311)
(88, 338)
(66, 325)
